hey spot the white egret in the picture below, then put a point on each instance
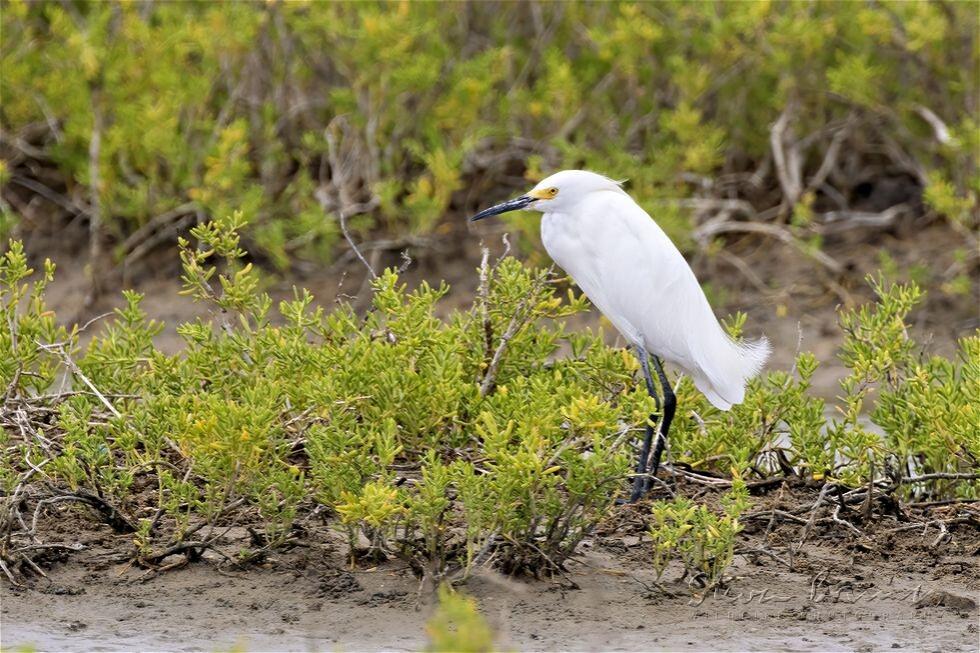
(625, 263)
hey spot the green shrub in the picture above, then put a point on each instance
(901, 412)
(447, 441)
(25, 366)
(457, 626)
(701, 540)
(534, 458)
(205, 108)
(509, 449)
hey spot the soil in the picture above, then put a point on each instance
(881, 591)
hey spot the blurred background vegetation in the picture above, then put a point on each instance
(804, 124)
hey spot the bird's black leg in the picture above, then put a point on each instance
(670, 405)
(640, 484)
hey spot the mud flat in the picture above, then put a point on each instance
(878, 594)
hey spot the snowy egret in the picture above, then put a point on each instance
(625, 263)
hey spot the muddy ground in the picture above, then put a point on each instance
(908, 590)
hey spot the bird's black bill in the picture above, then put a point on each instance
(510, 205)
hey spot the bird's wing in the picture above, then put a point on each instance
(644, 280)
(635, 275)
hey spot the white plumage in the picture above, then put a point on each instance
(625, 263)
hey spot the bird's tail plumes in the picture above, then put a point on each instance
(726, 366)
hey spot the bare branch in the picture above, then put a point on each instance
(830, 158)
(838, 221)
(52, 196)
(385, 245)
(940, 476)
(340, 180)
(710, 230)
(722, 206)
(939, 127)
(739, 264)
(70, 364)
(522, 315)
(353, 245)
(483, 299)
(787, 160)
(813, 517)
(516, 322)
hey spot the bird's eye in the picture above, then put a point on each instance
(552, 192)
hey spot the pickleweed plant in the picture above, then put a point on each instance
(926, 418)
(457, 625)
(901, 413)
(486, 435)
(296, 112)
(701, 539)
(25, 366)
(510, 452)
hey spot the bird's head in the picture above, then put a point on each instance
(559, 192)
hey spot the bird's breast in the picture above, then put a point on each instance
(586, 259)
(632, 273)
(563, 242)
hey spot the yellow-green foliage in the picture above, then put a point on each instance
(449, 441)
(324, 406)
(254, 105)
(900, 411)
(457, 625)
(704, 542)
(23, 362)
